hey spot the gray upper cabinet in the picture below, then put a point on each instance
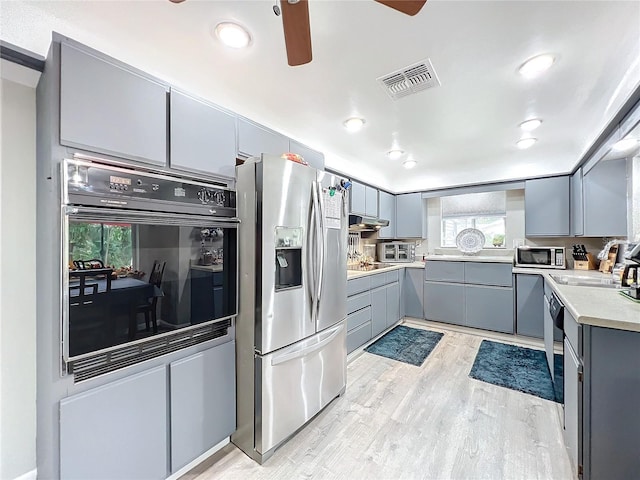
(358, 198)
(108, 108)
(577, 212)
(254, 139)
(364, 200)
(312, 157)
(387, 211)
(605, 199)
(546, 207)
(409, 215)
(371, 202)
(116, 431)
(203, 402)
(203, 137)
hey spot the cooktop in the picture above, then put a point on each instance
(367, 268)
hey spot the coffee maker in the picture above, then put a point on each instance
(631, 268)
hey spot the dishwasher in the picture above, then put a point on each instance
(553, 332)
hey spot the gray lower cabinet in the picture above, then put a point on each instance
(203, 137)
(409, 215)
(254, 139)
(572, 404)
(116, 431)
(378, 310)
(546, 207)
(444, 302)
(601, 397)
(387, 211)
(203, 402)
(473, 294)
(107, 107)
(373, 305)
(393, 304)
(312, 157)
(605, 199)
(413, 292)
(530, 305)
(489, 308)
(444, 271)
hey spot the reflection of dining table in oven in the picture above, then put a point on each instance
(116, 296)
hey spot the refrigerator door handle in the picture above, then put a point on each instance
(322, 243)
(313, 251)
(304, 351)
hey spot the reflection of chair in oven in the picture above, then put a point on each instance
(89, 328)
(149, 308)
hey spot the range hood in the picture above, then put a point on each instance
(359, 223)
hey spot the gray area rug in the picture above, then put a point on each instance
(406, 344)
(518, 368)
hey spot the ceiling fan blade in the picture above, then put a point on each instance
(410, 7)
(297, 31)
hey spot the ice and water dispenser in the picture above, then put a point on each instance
(288, 257)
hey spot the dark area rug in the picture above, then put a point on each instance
(405, 344)
(517, 368)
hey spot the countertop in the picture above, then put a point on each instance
(600, 307)
(392, 266)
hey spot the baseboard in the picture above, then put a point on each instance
(197, 461)
(32, 475)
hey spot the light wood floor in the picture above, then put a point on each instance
(398, 421)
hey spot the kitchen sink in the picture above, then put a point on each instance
(604, 282)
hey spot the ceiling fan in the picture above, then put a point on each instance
(297, 30)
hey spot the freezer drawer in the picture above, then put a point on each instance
(297, 382)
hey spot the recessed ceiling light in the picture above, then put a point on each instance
(395, 154)
(536, 65)
(526, 143)
(625, 144)
(232, 35)
(408, 164)
(354, 124)
(529, 125)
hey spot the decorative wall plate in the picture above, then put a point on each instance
(470, 240)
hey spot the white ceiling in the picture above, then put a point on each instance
(462, 132)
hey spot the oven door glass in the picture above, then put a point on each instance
(389, 253)
(404, 252)
(133, 276)
(534, 256)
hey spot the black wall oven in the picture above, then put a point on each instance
(150, 265)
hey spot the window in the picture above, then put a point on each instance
(483, 211)
(109, 242)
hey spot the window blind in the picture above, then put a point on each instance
(474, 204)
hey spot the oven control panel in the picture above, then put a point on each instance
(105, 185)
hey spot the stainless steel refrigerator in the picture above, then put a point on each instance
(291, 327)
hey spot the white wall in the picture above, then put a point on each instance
(17, 280)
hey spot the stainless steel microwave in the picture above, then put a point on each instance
(396, 252)
(540, 257)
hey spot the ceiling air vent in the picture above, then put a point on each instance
(410, 80)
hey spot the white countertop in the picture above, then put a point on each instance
(392, 266)
(601, 307)
(472, 258)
